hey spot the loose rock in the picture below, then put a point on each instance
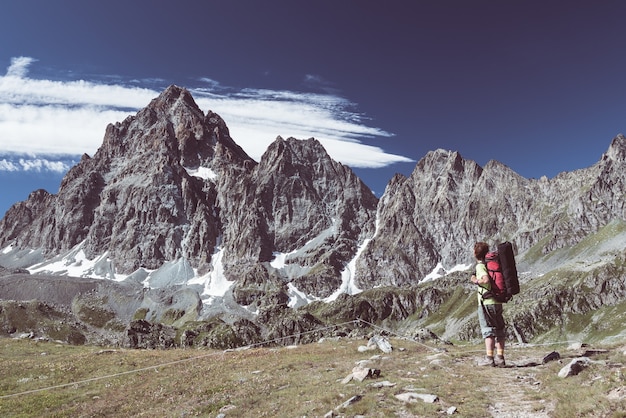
(361, 373)
(412, 397)
(383, 384)
(574, 367)
(382, 343)
(551, 357)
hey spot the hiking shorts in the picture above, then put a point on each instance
(491, 321)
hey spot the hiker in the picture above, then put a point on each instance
(492, 325)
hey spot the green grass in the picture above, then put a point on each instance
(58, 380)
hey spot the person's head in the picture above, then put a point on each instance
(480, 250)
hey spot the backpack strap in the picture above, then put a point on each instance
(488, 290)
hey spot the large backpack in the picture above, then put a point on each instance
(502, 272)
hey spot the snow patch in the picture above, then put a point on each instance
(440, 271)
(292, 270)
(204, 173)
(348, 284)
(7, 249)
(280, 260)
(76, 264)
(215, 282)
(298, 298)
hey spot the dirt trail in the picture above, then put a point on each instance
(515, 386)
(521, 386)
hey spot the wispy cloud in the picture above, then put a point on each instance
(19, 66)
(47, 117)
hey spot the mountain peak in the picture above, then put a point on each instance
(173, 102)
(174, 93)
(294, 152)
(617, 149)
(440, 161)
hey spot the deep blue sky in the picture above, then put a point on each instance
(537, 85)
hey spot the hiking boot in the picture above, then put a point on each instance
(487, 361)
(499, 361)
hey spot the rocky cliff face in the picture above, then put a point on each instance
(448, 203)
(170, 200)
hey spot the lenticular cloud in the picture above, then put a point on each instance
(46, 117)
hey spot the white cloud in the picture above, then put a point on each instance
(39, 164)
(19, 66)
(45, 117)
(34, 164)
(6, 165)
(50, 129)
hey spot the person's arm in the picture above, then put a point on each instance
(483, 278)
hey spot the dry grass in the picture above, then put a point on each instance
(55, 380)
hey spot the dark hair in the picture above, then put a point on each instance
(480, 250)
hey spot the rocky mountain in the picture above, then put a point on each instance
(172, 207)
(170, 199)
(448, 203)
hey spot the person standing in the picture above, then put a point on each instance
(492, 326)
